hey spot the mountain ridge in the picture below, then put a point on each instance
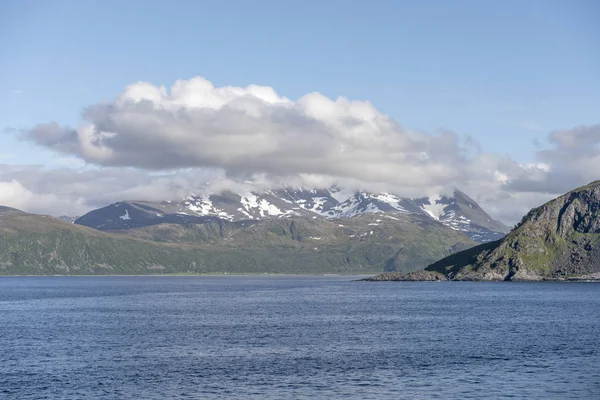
(33, 244)
(559, 240)
(459, 212)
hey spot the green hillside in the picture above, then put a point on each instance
(35, 244)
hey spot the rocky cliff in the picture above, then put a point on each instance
(558, 240)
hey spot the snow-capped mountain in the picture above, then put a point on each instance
(279, 203)
(462, 213)
(457, 212)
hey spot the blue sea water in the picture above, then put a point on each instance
(296, 338)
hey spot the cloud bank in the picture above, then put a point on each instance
(69, 191)
(252, 132)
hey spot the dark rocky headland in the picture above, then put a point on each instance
(557, 241)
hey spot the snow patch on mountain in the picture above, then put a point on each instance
(340, 195)
(249, 200)
(434, 207)
(392, 200)
(200, 204)
(363, 202)
(344, 209)
(264, 208)
(316, 206)
(458, 211)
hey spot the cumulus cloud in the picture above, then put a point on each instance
(14, 194)
(255, 134)
(571, 160)
(253, 130)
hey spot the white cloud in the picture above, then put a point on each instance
(58, 191)
(253, 132)
(14, 194)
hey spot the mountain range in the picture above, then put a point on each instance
(311, 231)
(457, 212)
(273, 231)
(41, 245)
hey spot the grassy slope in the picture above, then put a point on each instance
(33, 244)
(559, 239)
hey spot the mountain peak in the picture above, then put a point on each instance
(558, 240)
(287, 202)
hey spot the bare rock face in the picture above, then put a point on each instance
(559, 240)
(580, 213)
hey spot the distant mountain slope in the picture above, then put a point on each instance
(458, 212)
(35, 244)
(558, 240)
(462, 213)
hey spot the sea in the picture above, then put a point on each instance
(296, 337)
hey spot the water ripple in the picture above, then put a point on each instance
(300, 337)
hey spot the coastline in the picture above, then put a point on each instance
(430, 276)
(210, 274)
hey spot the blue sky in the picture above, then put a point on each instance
(516, 76)
(505, 72)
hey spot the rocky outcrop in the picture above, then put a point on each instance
(559, 240)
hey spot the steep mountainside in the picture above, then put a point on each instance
(459, 212)
(35, 244)
(462, 213)
(559, 240)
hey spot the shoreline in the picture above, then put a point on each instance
(486, 281)
(254, 274)
(358, 277)
(546, 280)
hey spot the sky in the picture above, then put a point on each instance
(102, 101)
